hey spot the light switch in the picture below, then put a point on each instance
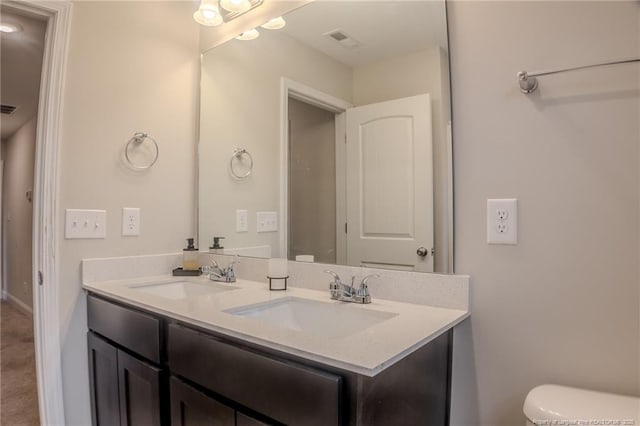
(242, 221)
(267, 221)
(85, 224)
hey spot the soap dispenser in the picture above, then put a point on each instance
(190, 257)
(216, 247)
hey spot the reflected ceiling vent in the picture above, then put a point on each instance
(344, 39)
(8, 109)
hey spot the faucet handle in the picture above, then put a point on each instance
(362, 294)
(207, 269)
(234, 262)
(363, 283)
(335, 276)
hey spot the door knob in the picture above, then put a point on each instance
(422, 252)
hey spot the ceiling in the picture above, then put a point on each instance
(383, 28)
(20, 67)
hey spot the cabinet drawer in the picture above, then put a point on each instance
(286, 392)
(136, 331)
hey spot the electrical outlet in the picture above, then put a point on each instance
(242, 221)
(502, 221)
(130, 221)
(80, 224)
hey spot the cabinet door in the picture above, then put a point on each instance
(103, 382)
(244, 420)
(190, 407)
(140, 395)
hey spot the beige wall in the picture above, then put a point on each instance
(17, 214)
(425, 71)
(132, 66)
(240, 107)
(562, 305)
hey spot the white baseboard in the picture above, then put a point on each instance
(20, 305)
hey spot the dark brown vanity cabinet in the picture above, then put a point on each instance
(174, 373)
(126, 389)
(190, 407)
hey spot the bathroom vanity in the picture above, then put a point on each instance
(192, 352)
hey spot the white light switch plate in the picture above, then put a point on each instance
(130, 221)
(267, 221)
(502, 221)
(81, 224)
(242, 221)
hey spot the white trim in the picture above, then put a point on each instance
(449, 199)
(45, 223)
(309, 95)
(18, 304)
(341, 187)
(3, 281)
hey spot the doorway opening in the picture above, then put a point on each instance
(22, 43)
(44, 274)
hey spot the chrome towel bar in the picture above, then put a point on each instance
(529, 83)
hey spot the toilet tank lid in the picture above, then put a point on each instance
(554, 402)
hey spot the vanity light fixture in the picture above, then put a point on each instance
(208, 14)
(275, 23)
(251, 34)
(10, 28)
(216, 12)
(237, 6)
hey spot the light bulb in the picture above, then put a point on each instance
(9, 28)
(249, 35)
(275, 23)
(208, 14)
(237, 6)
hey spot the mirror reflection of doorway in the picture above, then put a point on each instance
(312, 182)
(380, 166)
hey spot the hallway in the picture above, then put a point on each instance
(18, 392)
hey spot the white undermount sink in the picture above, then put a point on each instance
(326, 319)
(177, 290)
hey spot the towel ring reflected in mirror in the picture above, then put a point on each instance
(137, 141)
(237, 157)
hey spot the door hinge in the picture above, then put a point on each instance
(345, 227)
(40, 278)
(345, 138)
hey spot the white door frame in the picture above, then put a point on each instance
(46, 184)
(3, 282)
(317, 98)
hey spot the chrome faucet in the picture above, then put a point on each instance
(226, 275)
(348, 293)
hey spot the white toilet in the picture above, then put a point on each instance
(550, 405)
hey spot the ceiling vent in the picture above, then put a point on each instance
(8, 109)
(342, 38)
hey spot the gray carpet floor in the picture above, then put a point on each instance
(18, 391)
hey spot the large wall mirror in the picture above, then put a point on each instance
(329, 140)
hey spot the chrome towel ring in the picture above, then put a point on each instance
(136, 141)
(238, 153)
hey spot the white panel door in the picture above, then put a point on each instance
(390, 184)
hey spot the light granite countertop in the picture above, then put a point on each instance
(367, 351)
